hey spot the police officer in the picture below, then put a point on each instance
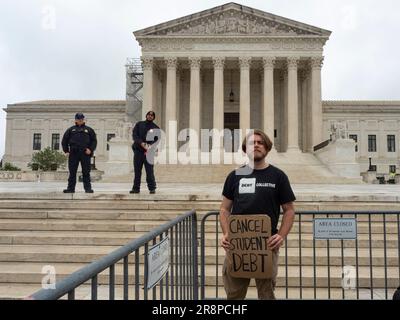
(79, 143)
(145, 134)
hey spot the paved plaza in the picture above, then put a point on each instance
(212, 191)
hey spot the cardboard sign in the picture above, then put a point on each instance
(248, 254)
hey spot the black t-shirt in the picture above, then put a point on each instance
(259, 192)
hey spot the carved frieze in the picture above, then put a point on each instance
(151, 46)
(232, 22)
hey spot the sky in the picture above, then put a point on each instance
(77, 49)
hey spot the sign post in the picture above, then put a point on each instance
(248, 254)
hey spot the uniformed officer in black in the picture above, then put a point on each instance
(79, 143)
(145, 134)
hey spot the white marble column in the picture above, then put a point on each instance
(147, 64)
(194, 108)
(293, 105)
(244, 63)
(218, 113)
(304, 75)
(316, 103)
(268, 115)
(171, 100)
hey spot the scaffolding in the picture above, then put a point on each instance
(134, 92)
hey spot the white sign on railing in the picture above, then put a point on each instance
(335, 228)
(157, 262)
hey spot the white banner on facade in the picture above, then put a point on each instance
(157, 262)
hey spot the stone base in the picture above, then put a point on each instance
(339, 157)
(120, 159)
(43, 176)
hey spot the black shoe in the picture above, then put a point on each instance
(89, 191)
(134, 191)
(68, 191)
(152, 191)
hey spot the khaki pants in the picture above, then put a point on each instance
(236, 288)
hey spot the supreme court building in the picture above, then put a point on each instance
(230, 67)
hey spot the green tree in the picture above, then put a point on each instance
(9, 167)
(48, 159)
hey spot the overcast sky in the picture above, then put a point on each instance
(76, 49)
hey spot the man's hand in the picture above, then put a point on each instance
(224, 242)
(87, 151)
(144, 146)
(275, 242)
(67, 154)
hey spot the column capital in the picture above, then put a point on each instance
(147, 63)
(218, 62)
(292, 62)
(195, 62)
(172, 62)
(316, 62)
(269, 63)
(244, 62)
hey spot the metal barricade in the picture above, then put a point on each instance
(367, 267)
(180, 281)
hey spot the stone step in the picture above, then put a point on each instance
(211, 292)
(308, 169)
(87, 254)
(48, 204)
(321, 257)
(93, 214)
(293, 278)
(11, 272)
(22, 291)
(144, 214)
(78, 225)
(148, 224)
(121, 238)
(308, 242)
(54, 253)
(182, 206)
(93, 238)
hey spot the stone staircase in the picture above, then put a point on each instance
(37, 231)
(300, 168)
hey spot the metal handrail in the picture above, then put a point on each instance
(322, 145)
(90, 271)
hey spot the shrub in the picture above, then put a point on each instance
(47, 160)
(9, 167)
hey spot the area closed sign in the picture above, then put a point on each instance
(248, 254)
(335, 228)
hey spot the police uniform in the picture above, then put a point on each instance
(75, 141)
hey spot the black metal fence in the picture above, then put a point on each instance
(128, 268)
(367, 267)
